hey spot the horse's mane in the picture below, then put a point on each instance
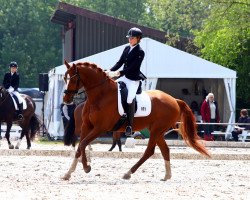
(95, 67)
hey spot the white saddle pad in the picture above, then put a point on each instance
(143, 104)
(15, 104)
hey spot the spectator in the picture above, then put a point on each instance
(67, 111)
(242, 119)
(210, 114)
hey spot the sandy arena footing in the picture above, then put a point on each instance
(36, 174)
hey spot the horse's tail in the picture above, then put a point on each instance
(69, 137)
(34, 126)
(188, 129)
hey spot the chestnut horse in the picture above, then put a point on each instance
(100, 114)
(73, 130)
(30, 124)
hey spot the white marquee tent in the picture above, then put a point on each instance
(167, 69)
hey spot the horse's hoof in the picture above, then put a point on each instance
(126, 176)
(87, 169)
(11, 146)
(28, 147)
(166, 178)
(16, 147)
(66, 177)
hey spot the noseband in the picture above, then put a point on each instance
(77, 85)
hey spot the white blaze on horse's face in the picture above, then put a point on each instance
(67, 81)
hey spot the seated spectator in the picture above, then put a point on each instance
(243, 119)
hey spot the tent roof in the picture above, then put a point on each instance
(161, 61)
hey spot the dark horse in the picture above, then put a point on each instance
(73, 130)
(100, 114)
(30, 124)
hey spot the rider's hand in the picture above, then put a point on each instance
(113, 74)
(11, 89)
(107, 72)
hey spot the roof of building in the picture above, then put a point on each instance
(66, 13)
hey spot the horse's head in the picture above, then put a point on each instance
(3, 93)
(80, 75)
(73, 82)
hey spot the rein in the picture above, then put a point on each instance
(78, 82)
(96, 85)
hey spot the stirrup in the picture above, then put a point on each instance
(20, 116)
(128, 131)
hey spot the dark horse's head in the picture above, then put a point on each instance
(3, 93)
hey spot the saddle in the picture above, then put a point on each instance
(142, 104)
(16, 102)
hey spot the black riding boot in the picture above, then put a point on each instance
(20, 111)
(130, 117)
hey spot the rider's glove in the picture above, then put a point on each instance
(11, 89)
(113, 74)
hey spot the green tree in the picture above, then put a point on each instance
(28, 37)
(128, 10)
(178, 18)
(225, 39)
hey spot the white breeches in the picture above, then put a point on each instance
(132, 87)
(16, 93)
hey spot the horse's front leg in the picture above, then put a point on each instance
(83, 144)
(7, 135)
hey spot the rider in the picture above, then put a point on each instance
(131, 75)
(11, 83)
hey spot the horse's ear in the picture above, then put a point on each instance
(74, 67)
(67, 64)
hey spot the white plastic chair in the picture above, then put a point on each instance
(244, 136)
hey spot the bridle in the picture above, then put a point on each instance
(78, 82)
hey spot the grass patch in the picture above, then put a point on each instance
(46, 140)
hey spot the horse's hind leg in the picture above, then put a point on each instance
(166, 156)
(113, 145)
(148, 152)
(28, 139)
(24, 132)
(71, 169)
(0, 131)
(7, 135)
(119, 144)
